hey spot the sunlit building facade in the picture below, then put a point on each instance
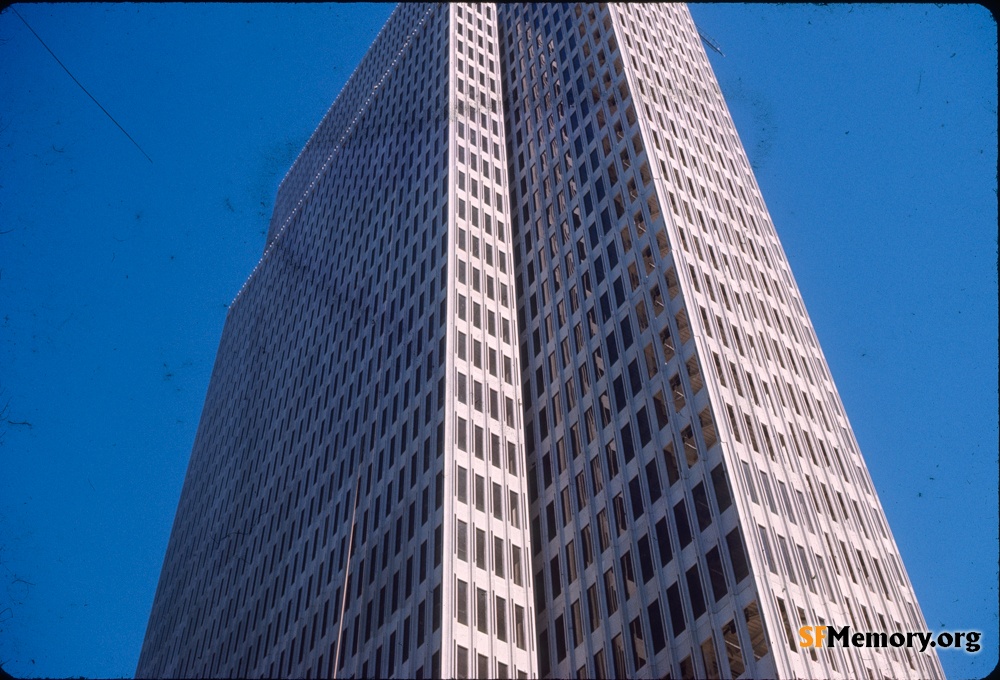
(523, 386)
(697, 493)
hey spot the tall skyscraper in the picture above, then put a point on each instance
(522, 385)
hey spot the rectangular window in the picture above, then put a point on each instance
(481, 549)
(716, 573)
(498, 552)
(681, 520)
(461, 540)
(596, 475)
(701, 508)
(628, 574)
(495, 447)
(576, 614)
(723, 498)
(581, 491)
(766, 547)
(755, 626)
(670, 460)
(783, 613)
(610, 591)
(687, 667)
(519, 627)
(463, 444)
(571, 572)
(515, 565)
(677, 622)
(765, 484)
(479, 494)
(695, 592)
(604, 530)
(556, 576)
(807, 574)
(663, 542)
(734, 654)
(620, 517)
(786, 501)
(804, 510)
(645, 559)
(501, 607)
(600, 666)
(639, 644)
(461, 484)
(657, 635)
(709, 659)
(748, 479)
(482, 615)
(594, 608)
(462, 602)
(587, 545)
(497, 501)
(618, 652)
(787, 559)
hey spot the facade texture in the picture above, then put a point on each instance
(523, 386)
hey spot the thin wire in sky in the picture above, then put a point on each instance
(81, 85)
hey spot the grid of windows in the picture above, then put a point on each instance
(595, 410)
(491, 539)
(522, 385)
(326, 406)
(668, 361)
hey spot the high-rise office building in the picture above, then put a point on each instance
(522, 385)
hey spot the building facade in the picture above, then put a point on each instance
(523, 386)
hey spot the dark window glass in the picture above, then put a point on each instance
(653, 481)
(635, 496)
(681, 520)
(560, 631)
(737, 556)
(556, 580)
(645, 559)
(657, 636)
(663, 542)
(676, 611)
(695, 592)
(701, 509)
(628, 444)
(716, 573)
(721, 488)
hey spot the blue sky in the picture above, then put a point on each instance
(872, 131)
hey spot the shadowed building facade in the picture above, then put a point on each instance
(522, 385)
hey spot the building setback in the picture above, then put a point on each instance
(523, 386)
